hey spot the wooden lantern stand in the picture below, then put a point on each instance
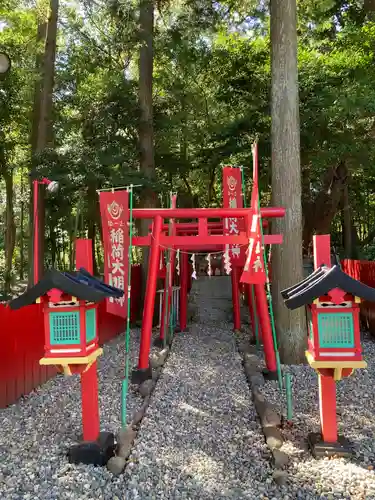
(71, 343)
(334, 350)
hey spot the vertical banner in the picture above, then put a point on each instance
(232, 198)
(254, 272)
(114, 209)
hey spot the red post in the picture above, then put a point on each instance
(90, 404)
(184, 283)
(84, 254)
(89, 378)
(36, 233)
(327, 402)
(322, 250)
(148, 310)
(265, 325)
(236, 297)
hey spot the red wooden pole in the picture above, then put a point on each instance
(148, 310)
(192, 213)
(84, 254)
(89, 378)
(36, 233)
(184, 284)
(90, 404)
(327, 402)
(265, 325)
(236, 297)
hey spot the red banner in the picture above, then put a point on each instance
(254, 272)
(232, 198)
(114, 209)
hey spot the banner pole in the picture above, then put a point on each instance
(125, 382)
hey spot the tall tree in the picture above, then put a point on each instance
(42, 130)
(146, 127)
(287, 262)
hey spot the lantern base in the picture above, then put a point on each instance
(93, 452)
(141, 375)
(268, 375)
(320, 449)
(72, 365)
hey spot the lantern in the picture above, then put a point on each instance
(332, 301)
(70, 317)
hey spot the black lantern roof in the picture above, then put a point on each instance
(82, 286)
(321, 282)
(85, 277)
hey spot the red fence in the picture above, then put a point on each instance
(364, 271)
(22, 343)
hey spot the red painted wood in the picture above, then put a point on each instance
(22, 343)
(90, 403)
(327, 401)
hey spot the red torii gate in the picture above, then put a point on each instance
(203, 239)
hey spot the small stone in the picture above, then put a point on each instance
(138, 415)
(280, 477)
(280, 458)
(146, 388)
(126, 436)
(269, 418)
(250, 369)
(257, 380)
(116, 465)
(273, 437)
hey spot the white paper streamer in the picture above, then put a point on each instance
(178, 262)
(194, 273)
(209, 270)
(227, 263)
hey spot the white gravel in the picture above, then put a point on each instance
(36, 432)
(200, 438)
(336, 478)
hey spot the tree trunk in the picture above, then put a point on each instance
(21, 241)
(10, 231)
(42, 130)
(92, 213)
(369, 8)
(287, 262)
(347, 227)
(146, 128)
(320, 212)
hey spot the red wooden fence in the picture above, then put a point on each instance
(364, 271)
(22, 343)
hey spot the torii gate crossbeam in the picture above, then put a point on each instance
(203, 239)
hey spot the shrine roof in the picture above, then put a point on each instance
(88, 288)
(320, 283)
(83, 276)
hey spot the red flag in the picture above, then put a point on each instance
(232, 198)
(254, 272)
(114, 209)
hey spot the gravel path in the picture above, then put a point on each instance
(36, 432)
(200, 438)
(337, 478)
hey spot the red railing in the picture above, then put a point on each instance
(22, 343)
(364, 271)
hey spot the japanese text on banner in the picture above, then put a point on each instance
(232, 198)
(115, 216)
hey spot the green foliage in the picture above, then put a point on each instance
(211, 92)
